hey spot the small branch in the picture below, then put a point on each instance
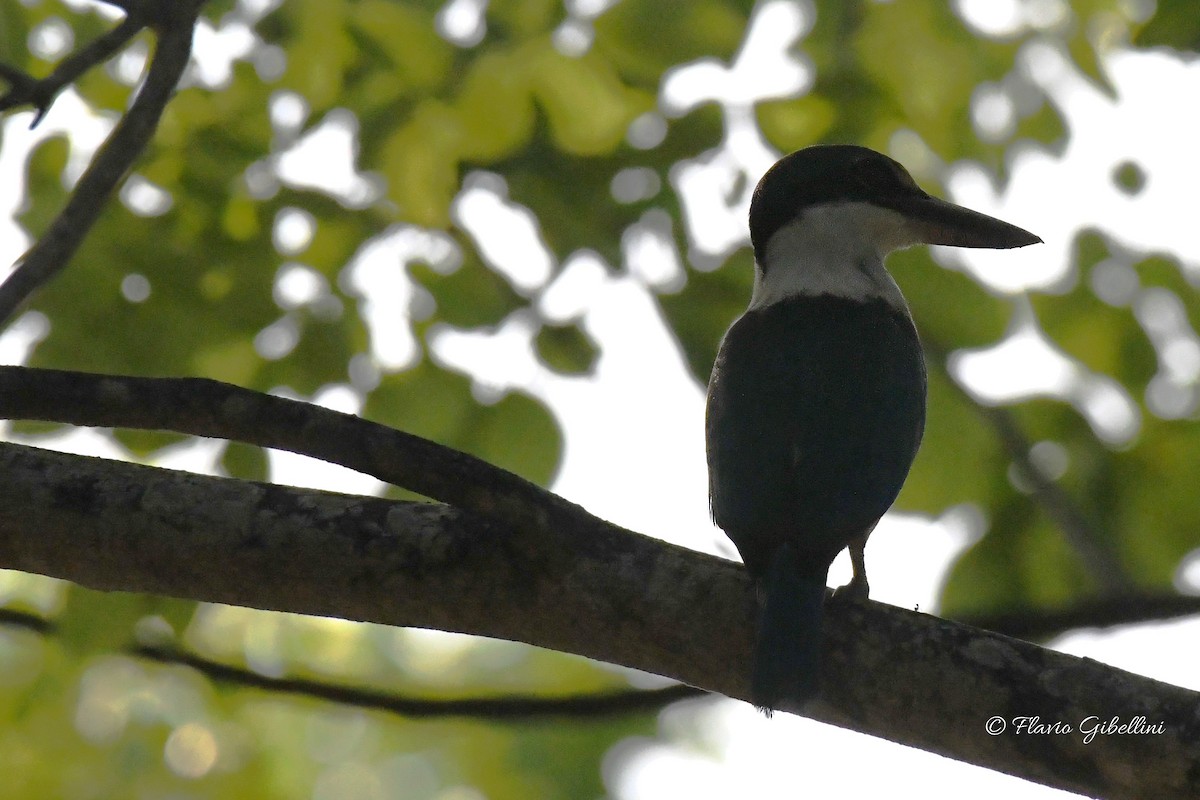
(23, 619)
(1079, 532)
(24, 89)
(510, 708)
(612, 596)
(203, 407)
(60, 241)
(1039, 624)
(517, 708)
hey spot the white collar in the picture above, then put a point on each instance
(835, 249)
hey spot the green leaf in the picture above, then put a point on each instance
(416, 56)
(1022, 563)
(706, 307)
(101, 621)
(141, 444)
(566, 349)
(950, 309)
(522, 19)
(1175, 24)
(1160, 525)
(317, 31)
(643, 38)
(495, 107)
(960, 460)
(796, 122)
(587, 106)
(1044, 125)
(245, 461)
(1096, 334)
(1083, 53)
(44, 190)
(421, 163)
(1129, 177)
(14, 33)
(571, 197)
(517, 433)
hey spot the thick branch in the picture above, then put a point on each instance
(610, 595)
(175, 21)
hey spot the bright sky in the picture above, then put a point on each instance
(634, 430)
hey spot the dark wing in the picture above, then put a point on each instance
(815, 412)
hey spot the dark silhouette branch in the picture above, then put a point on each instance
(515, 708)
(203, 407)
(586, 588)
(174, 22)
(23, 619)
(496, 708)
(1038, 624)
(24, 89)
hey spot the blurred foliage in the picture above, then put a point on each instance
(197, 272)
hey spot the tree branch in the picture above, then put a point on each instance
(203, 407)
(505, 708)
(40, 93)
(175, 22)
(593, 590)
(508, 708)
(1036, 624)
(26, 620)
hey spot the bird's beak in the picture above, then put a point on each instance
(935, 221)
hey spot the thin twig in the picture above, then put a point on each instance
(40, 93)
(1040, 624)
(11, 617)
(513, 708)
(112, 161)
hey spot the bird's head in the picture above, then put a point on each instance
(829, 208)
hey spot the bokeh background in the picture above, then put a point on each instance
(517, 227)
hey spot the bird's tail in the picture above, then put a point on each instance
(787, 652)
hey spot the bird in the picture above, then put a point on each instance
(816, 403)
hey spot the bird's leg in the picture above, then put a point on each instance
(857, 588)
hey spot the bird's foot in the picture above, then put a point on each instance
(856, 591)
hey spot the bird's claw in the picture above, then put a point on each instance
(856, 591)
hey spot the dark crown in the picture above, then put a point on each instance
(823, 174)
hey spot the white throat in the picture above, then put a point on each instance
(835, 249)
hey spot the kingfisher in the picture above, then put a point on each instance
(816, 404)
